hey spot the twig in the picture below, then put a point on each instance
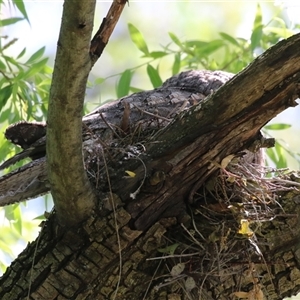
(107, 26)
(133, 195)
(109, 126)
(150, 114)
(102, 143)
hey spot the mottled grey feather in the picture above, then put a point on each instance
(149, 110)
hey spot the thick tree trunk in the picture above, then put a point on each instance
(239, 235)
(85, 263)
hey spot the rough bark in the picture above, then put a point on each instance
(84, 263)
(108, 24)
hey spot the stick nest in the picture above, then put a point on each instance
(223, 249)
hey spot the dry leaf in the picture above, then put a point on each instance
(240, 294)
(218, 207)
(174, 297)
(256, 294)
(190, 283)
(230, 179)
(245, 229)
(130, 173)
(225, 161)
(177, 269)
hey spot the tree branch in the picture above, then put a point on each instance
(73, 196)
(107, 26)
(70, 187)
(183, 154)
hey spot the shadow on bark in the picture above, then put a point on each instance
(213, 229)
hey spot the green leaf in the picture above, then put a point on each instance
(282, 162)
(271, 154)
(6, 22)
(5, 114)
(157, 54)
(154, 76)
(213, 65)
(195, 43)
(277, 155)
(17, 224)
(277, 126)
(210, 47)
(36, 55)
(40, 217)
(2, 66)
(12, 61)
(9, 212)
(35, 68)
(229, 38)
(48, 70)
(99, 80)
(123, 85)
(256, 37)
(21, 7)
(5, 247)
(280, 32)
(257, 29)
(5, 93)
(138, 39)
(258, 17)
(175, 39)
(169, 249)
(176, 64)
(21, 53)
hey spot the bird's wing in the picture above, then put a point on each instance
(141, 112)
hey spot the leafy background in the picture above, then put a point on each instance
(152, 41)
